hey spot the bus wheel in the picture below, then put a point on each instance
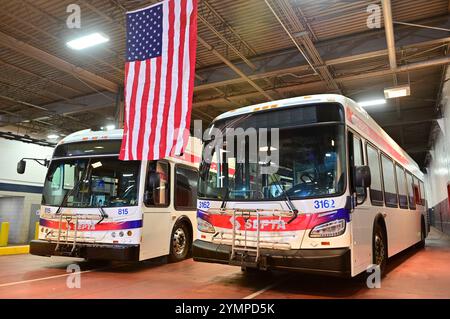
(180, 242)
(379, 248)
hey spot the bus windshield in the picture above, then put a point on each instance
(311, 163)
(95, 182)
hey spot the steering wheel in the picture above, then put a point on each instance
(311, 177)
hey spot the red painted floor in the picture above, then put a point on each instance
(413, 274)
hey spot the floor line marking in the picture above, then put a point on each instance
(48, 278)
(261, 291)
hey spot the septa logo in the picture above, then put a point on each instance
(264, 224)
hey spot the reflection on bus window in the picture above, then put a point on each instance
(157, 186)
(311, 164)
(107, 182)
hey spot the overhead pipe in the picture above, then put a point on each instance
(389, 30)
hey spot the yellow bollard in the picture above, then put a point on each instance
(36, 231)
(4, 230)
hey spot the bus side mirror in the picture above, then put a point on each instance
(362, 176)
(21, 165)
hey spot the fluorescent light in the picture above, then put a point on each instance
(372, 102)
(96, 164)
(87, 41)
(99, 147)
(397, 91)
(52, 136)
(110, 127)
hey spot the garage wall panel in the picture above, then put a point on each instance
(438, 171)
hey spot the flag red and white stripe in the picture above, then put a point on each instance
(159, 79)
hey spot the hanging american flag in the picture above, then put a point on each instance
(159, 79)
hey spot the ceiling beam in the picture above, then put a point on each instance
(367, 45)
(42, 78)
(293, 25)
(233, 67)
(205, 85)
(213, 21)
(80, 104)
(317, 84)
(53, 35)
(56, 62)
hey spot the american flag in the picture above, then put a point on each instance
(159, 79)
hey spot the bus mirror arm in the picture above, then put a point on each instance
(363, 180)
(21, 165)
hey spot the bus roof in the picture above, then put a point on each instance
(355, 116)
(192, 153)
(300, 100)
(90, 135)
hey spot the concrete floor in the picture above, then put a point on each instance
(412, 274)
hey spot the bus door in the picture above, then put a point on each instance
(157, 210)
(361, 219)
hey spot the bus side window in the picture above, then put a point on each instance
(56, 177)
(417, 192)
(390, 189)
(157, 184)
(356, 159)
(412, 203)
(422, 193)
(402, 187)
(185, 188)
(376, 190)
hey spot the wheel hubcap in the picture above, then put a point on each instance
(179, 241)
(379, 250)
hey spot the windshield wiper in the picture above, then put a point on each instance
(72, 190)
(288, 199)
(227, 193)
(103, 213)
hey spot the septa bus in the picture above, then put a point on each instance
(344, 197)
(97, 207)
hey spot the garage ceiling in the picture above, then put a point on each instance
(248, 52)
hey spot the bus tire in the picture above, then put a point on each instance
(379, 248)
(421, 243)
(180, 243)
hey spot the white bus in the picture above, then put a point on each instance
(97, 207)
(344, 197)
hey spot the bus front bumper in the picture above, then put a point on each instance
(333, 261)
(122, 252)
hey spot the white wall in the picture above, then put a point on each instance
(438, 171)
(11, 152)
(15, 206)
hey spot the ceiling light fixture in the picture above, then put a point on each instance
(87, 41)
(397, 91)
(372, 102)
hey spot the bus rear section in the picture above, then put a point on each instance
(296, 216)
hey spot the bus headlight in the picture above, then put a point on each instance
(329, 229)
(204, 226)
